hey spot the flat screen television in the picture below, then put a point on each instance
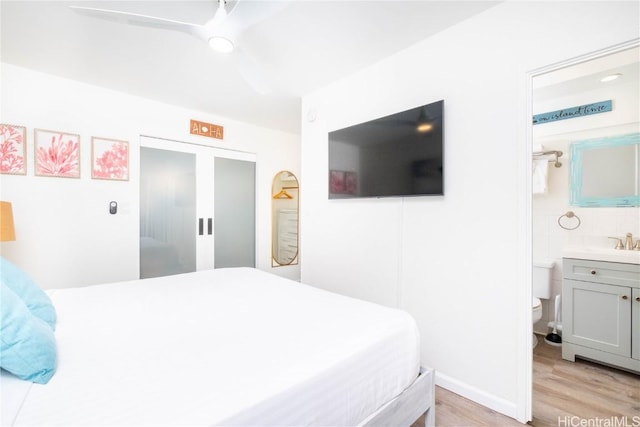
(396, 155)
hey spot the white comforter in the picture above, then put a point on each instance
(218, 347)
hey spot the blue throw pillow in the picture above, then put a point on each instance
(34, 298)
(27, 343)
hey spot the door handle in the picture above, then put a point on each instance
(200, 226)
(209, 226)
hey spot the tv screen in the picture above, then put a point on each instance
(396, 155)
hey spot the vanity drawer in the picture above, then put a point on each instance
(612, 273)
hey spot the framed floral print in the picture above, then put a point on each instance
(57, 154)
(350, 182)
(336, 182)
(109, 159)
(13, 149)
(343, 182)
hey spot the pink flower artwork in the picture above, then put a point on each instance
(350, 182)
(57, 154)
(13, 149)
(336, 182)
(110, 159)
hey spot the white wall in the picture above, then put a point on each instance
(460, 264)
(597, 224)
(65, 235)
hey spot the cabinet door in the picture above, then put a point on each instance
(635, 324)
(598, 316)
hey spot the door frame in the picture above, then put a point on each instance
(205, 254)
(525, 353)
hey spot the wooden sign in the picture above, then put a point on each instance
(573, 112)
(206, 129)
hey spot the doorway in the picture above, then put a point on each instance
(575, 83)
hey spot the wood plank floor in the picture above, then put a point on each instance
(564, 393)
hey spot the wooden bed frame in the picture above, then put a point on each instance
(404, 410)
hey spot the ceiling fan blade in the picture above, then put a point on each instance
(136, 19)
(246, 13)
(252, 73)
(225, 24)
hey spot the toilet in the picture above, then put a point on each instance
(542, 273)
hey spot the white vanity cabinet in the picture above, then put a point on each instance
(601, 312)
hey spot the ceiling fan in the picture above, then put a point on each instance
(221, 32)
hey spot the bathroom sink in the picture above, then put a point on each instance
(602, 254)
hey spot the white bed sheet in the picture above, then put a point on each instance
(221, 347)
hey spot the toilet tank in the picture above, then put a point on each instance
(542, 273)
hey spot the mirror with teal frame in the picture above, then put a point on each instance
(605, 172)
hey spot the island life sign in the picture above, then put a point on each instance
(573, 112)
(206, 129)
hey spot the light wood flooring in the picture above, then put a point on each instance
(564, 394)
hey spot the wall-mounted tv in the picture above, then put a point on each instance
(396, 155)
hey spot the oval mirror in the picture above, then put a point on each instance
(284, 217)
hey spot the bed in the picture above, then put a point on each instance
(230, 347)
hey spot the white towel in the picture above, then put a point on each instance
(539, 181)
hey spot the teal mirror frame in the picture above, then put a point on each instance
(576, 150)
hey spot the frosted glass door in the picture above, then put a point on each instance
(167, 212)
(197, 207)
(235, 212)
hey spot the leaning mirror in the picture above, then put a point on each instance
(284, 214)
(606, 171)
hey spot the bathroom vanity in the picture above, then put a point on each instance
(601, 307)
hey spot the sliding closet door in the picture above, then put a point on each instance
(167, 212)
(197, 208)
(235, 213)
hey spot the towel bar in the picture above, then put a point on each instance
(556, 153)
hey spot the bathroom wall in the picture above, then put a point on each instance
(597, 224)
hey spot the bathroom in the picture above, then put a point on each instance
(557, 222)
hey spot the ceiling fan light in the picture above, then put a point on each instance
(221, 44)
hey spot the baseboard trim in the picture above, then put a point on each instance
(481, 397)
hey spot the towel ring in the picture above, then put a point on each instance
(569, 215)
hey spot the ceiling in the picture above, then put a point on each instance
(303, 46)
(586, 76)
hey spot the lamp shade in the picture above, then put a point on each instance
(7, 230)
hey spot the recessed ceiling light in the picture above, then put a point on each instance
(610, 77)
(220, 44)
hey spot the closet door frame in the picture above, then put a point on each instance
(205, 195)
